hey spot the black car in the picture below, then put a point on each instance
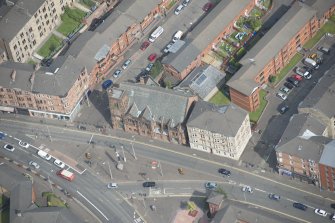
(332, 205)
(288, 85)
(149, 184)
(300, 206)
(283, 109)
(224, 172)
(293, 81)
(309, 69)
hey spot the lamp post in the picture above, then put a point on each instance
(124, 156)
(49, 133)
(132, 146)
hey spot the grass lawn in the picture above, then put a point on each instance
(4, 216)
(288, 67)
(256, 12)
(219, 98)
(156, 69)
(53, 200)
(88, 3)
(49, 46)
(329, 27)
(71, 19)
(254, 116)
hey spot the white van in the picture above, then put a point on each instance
(156, 34)
(44, 155)
(177, 36)
(311, 63)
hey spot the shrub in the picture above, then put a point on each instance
(272, 79)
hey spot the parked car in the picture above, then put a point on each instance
(300, 206)
(106, 84)
(320, 212)
(166, 49)
(9, 148)
(112, 185)
(247, 189)
(2, 135)
(117, 73)
(126, 64)
(332, 205)
(281, 96)
(149, 67)
(24, 144)
(178, 9)
(324, 50)
(297, 77)
(288, 85)
(274, 197)
(208, 6)
(145, 45)
(149, 184)
(303, 72)
(309, 69)
(152, 57)
(186, 2)
(225, 172)
(317, 57)
(283, 109)
(333, 217)
(34, 164)
(285, 90)
(59, 163)
(211, 185)
(293, 81)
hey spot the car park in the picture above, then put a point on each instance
(145, 45)
(112, 185)
(178, 9)
(117, 73)
(320, 212)
(24, 144)
(247, 189)
(297, 77)
(333, 217)
(224, 172)
(166, 49)
(106, 84)
(126, 64)
(59, 163)
(9, 148)
(149, 67)
(152, 57)
(186, 2)
(324, 50)
(288, 85)
(207, 7)
(283, 109)
(300, 206)
(34, 164)
(311, 63)
(211, 185)
(149, 184)
(275, 197)
(293, 81)
(281, 96)
(2, 135)
(285, 90)
(317, 57)
(309, 69)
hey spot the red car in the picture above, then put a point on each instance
(145, 45)
(152, 57)
(208, 6)
(297, 77)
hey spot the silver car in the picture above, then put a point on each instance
(34, 164)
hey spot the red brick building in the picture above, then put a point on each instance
(327, 167)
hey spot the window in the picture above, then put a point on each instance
(34, 42)
(15, 47)
(30, 29)
(41, 34)
(21, 35)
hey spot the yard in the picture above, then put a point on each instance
(226, 49)
(220, 98)
(254, 116)
(71, 19)
(53, 200)
(295, 59)
(156, 69)
(329, 27)
(51, 45)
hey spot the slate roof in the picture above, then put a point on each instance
(328, 155)
(155, 103)
(225, 120)
(215, 198)
(269, 46)
(320, 6)
(322, 97)
(202, 80)
(205, 32)
(304, 125)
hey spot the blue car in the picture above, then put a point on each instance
(2, 135)
(106, 84)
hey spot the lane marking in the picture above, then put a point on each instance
(93, 205)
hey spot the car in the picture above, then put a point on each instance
(320, 212)
(145, 45)
(44, 155)
(274, 197)
(46, 62)
(317, 57)
(24, 144)
(152, 57)
(289, 85)
(112, 185)
(178, 9)
(211, 185)
(300, 206)
(9, 147)
(324, 50)
(186, 2)
(285, 90)
(303, 72)
(2, 135)
(207, 7)
(106, 84)
(144, 73)
(117, 73)
(149, 184)
(126, 64)
(283, 109)
(281, 96)
(307, 68)
(166, 49)
(333, 217)
(224, 172)
(332, 205)
(293, 81)
(297, 77)
(59, 163)
(34, 164)
(247, 189)
(149, 67)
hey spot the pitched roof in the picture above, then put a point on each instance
(226, 120)
(320, 6)
(215, 198)
(269, 46)
(328, 155)
(205, 32)
(154, 103)
(202, 80)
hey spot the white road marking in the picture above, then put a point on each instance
(260, 190)
(93, 205)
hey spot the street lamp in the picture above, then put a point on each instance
(132, 146)
(49, 133)
(124, 156)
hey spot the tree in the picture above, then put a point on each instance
(191, 206)
(272, 79)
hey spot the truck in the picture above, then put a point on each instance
(311, 63)
(67, 175)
